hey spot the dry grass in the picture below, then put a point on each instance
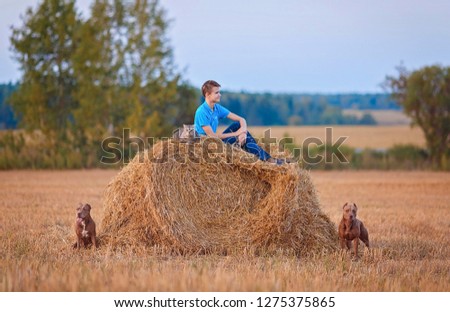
(358, 136)
(406, 213)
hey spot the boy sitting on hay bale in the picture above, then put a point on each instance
(230, 206)
(207, 119)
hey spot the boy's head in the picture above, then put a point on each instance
(208, 86)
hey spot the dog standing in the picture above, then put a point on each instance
(85, 227)
(352, 229)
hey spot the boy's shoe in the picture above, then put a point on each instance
(280, 161)
(276, 161)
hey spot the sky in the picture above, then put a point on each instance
(313, 46)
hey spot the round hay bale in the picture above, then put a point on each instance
(214, 197)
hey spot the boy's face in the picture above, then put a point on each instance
(213, 96)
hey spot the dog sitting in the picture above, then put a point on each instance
(85, 227)
(352, 229)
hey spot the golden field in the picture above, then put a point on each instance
(407, 215)
(375, 137)
(381, 116)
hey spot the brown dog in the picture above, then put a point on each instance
(352, 229)
(85, 227)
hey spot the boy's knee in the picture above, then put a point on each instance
(233, 127)
(236, 125)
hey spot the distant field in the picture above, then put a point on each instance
(406, 213)
(358, 136)
(382, 117)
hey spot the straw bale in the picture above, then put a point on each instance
(227, 203)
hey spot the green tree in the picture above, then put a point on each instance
(95, 66)
(425, 97)
(84, 79)
(43, 46)
(96, 62)
(151, 73)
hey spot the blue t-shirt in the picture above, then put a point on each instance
(204, 116)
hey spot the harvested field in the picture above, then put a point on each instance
(383, 117)
(406, 213)
(376, 137)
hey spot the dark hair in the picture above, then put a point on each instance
(208, 85)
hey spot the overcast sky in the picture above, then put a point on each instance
(325, 46)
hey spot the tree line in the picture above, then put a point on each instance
(264, 108)
(268, 109)
(84, 79)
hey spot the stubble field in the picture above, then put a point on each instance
(407, 215)
(375, 137)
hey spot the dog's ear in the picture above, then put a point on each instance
(355, 206)
(80, 205)
(343, 207)
(88, 207)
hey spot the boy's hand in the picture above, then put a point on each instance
(242, 137)
(241, 131)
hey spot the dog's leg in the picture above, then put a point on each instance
(364, 236)
(342, 243)
(349, 244)
(366, 241)
(86, 242)
(355, 246)
(94, 241)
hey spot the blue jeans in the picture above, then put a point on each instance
(250, 144)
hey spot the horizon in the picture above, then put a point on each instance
(268, 92)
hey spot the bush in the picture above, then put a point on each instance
(20, 149)
(399, 157)
(407, 157)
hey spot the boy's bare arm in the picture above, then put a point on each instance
(209, 132)
(241, 120)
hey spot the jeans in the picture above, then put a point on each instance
(250, 144)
